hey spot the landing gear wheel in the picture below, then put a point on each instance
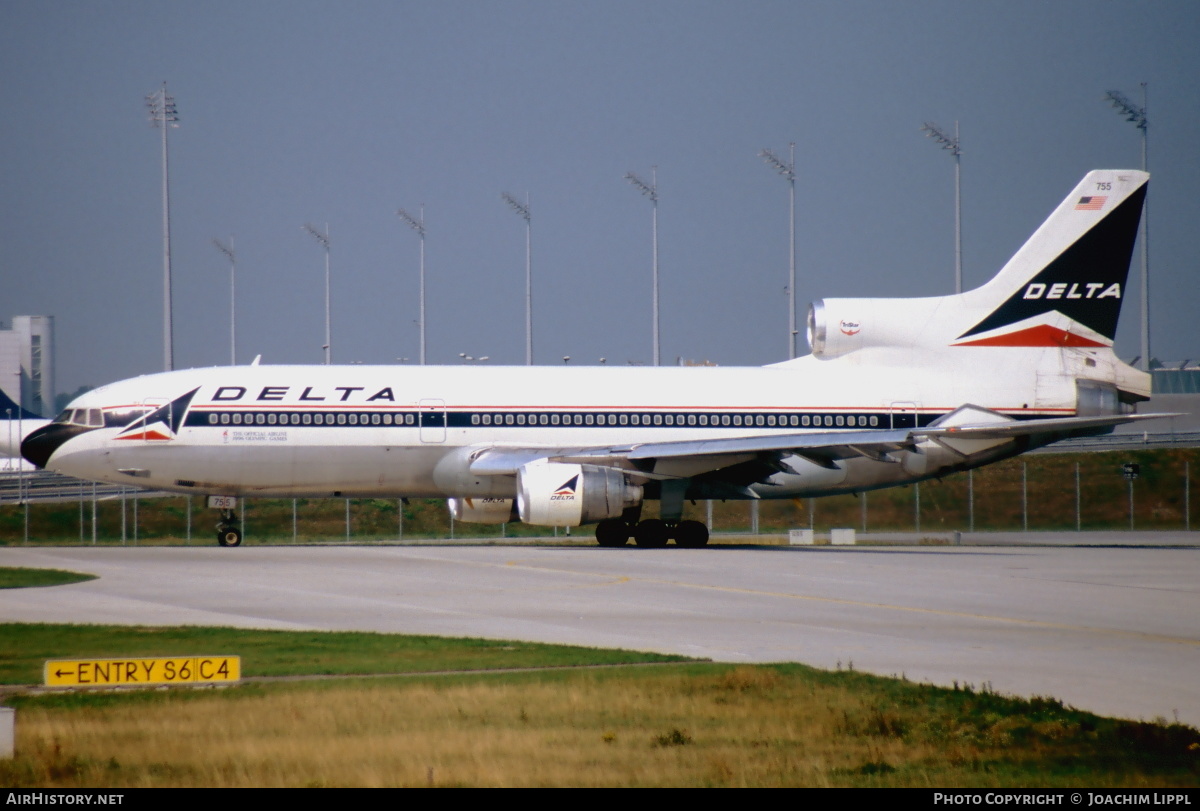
(228, 533)
(651, 534)
(691, 535)
(612, 532)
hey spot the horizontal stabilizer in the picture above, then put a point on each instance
(1015, 428)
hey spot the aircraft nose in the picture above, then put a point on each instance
(40, 445)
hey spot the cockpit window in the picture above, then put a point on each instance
(84, 417)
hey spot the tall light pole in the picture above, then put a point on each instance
(418, 225)
(228, 251)
(323, 238)
(523, 210)
(788, 171)
(1137, 117)
(165, 116)
(952, 144)
(651, 190)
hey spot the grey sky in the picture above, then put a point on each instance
(343, 112)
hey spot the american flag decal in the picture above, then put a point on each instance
(1090, 203)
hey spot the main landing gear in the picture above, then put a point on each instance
(653, 533)
(228, 532)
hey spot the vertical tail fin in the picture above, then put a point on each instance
(1064, 287)
(12, 410)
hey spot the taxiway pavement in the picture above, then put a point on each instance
(1113, 630)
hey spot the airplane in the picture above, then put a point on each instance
(18, 423)
(895, 391)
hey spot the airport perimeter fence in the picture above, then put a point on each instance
(1083, 491)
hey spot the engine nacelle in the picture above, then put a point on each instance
(554, 494)
(483, 510)
(839, 326)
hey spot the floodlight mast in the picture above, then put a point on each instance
(523, 210)
(651, 190)
(418, 225)
(1137, 116)
(323, 238)
(165, 116)
(788, 172)
(228, 251)
(954, 146)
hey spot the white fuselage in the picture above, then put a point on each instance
(409, 431)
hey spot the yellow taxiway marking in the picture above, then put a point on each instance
(161, 670)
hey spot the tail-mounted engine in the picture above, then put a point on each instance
(553, 494)
(839, 326)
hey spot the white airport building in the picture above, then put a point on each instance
(27, 363)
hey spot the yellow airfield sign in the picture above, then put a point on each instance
(128, 672)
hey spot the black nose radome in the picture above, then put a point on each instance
(40, 445)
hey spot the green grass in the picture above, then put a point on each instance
(24, 649)
(16, 578)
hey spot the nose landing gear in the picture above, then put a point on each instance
(228, 532)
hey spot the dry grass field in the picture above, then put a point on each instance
(669, 725)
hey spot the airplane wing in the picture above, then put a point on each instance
(689, 458)
(699, 455)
